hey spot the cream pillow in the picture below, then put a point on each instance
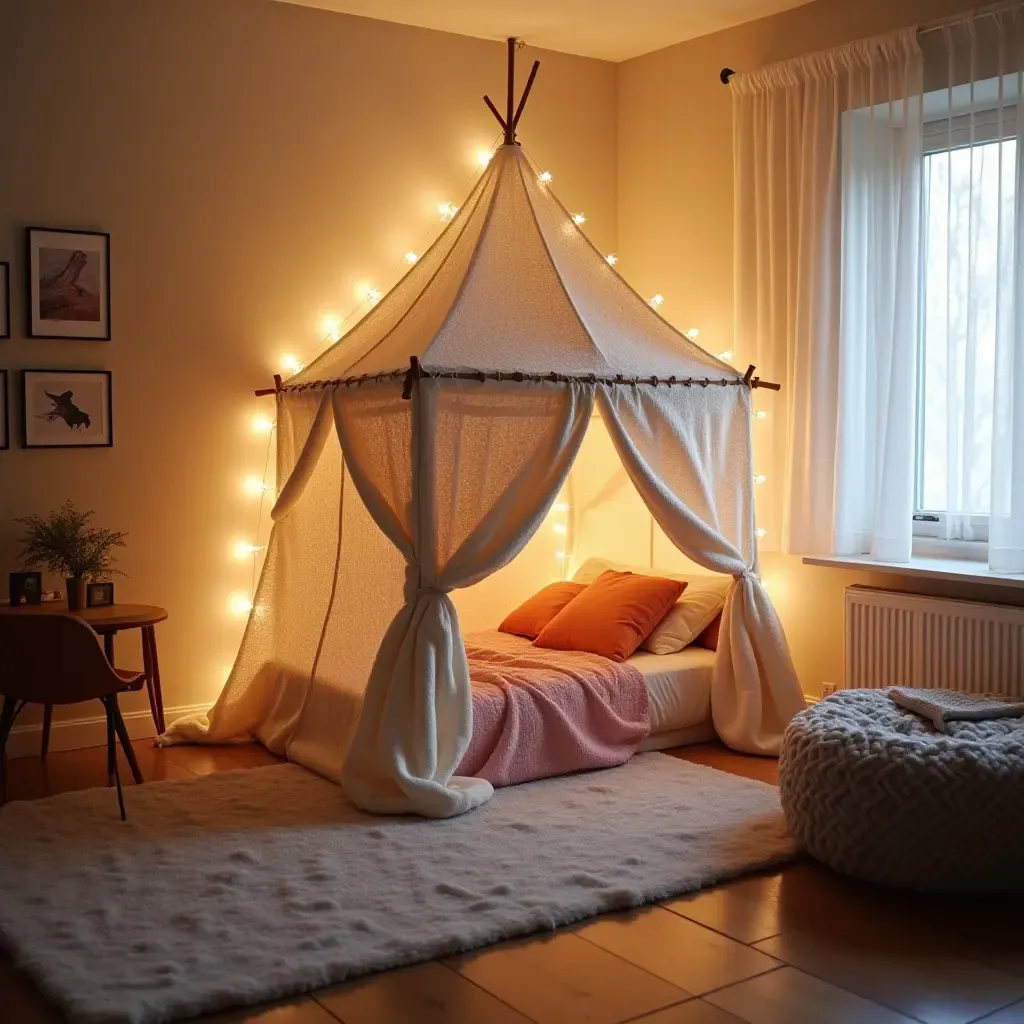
(702, 601)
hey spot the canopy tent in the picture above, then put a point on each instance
(458, 405)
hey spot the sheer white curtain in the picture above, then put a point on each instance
(971, 435)
(827, 178)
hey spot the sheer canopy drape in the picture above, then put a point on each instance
(459, 495)
(688, 455)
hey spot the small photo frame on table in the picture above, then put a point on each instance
(5, 300)
(25, 588)
(68, 284)
(99, 594)
(67, 409)
(5, 422)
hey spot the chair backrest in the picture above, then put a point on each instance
(53, 659)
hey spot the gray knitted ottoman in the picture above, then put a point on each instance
(876, 792)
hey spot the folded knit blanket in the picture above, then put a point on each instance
(942, 706)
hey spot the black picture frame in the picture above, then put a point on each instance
(60, 379)
(75, 329)
(25, 588)
(5, 413)
(5, 300)
(99, 594)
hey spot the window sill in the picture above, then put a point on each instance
(960, 570)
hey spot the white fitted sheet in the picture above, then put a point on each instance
(679, 686)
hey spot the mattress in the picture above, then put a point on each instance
(679, 686)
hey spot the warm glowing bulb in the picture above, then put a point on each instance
(559, 528)
(483, 157)
(447, 210)
(560, 506)
(611, 259)
(262, 425)
(411, 257)
(761, 531)
(760, 478)
(239, 604)
(727, 354)
(243, 550)
(331, 328)
(578, 219)
(760, 415)
(560, 555)
(290, 364)
(544, 177)
(657, 300)
(693, 333)
(253, 485)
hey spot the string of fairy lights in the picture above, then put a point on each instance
(256, 486)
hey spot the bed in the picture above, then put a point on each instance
(539, 713)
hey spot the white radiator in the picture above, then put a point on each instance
(895, 639)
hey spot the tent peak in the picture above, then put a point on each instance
(510, 121)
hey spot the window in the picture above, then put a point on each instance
(968, 229)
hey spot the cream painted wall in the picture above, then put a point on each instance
(675, 237)
(253, 162)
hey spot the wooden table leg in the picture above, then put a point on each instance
(152, 665)
(108, 647)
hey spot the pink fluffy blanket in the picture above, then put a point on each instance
(538, 713)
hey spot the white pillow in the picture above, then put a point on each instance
(700, 604)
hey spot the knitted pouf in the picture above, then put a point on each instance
(876, 792)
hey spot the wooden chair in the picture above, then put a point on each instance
(57, 659)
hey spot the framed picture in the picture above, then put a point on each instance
(25, 588)
(5, 423)
(99, 594)
(5, 300)
(68, 284)
(67, 409)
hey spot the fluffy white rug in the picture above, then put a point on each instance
(253, 885)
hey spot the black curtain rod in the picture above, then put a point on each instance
(725, 74)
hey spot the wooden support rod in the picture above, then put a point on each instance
(525, 97)
(510, 132)
(494, 110)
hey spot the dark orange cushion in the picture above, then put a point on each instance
(536, 612)
(709, 638)
(613, 616)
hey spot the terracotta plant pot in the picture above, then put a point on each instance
(76, 594)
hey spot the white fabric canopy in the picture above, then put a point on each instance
(459, 405)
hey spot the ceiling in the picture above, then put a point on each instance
(608, 29)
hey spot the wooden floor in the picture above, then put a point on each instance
(797, 946)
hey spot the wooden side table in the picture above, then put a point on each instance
(108, 622)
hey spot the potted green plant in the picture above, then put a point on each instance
(64, 542)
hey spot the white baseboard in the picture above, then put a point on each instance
(77, 733)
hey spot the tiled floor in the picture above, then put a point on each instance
(796, 946)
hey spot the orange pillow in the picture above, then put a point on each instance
(536, 612)
(613, 616)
